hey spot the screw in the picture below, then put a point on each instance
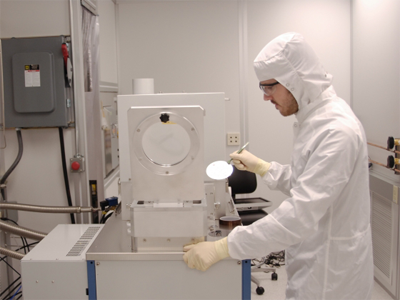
(239, 262)
(98, 263)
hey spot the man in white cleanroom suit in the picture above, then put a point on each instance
(324, 224)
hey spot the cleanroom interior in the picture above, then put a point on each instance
(199, 46)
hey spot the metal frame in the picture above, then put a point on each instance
(156, 167)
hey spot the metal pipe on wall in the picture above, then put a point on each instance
(382, 165)
(384, 148)
(22, 231)
(47, 209)
(11, 253)
(80, 180)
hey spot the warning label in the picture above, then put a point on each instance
(32, 76)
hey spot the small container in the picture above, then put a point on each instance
(229, 222)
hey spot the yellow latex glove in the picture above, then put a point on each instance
(195, 241)
(245, 161)
(203, 255)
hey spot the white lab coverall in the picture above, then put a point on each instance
(324, 224)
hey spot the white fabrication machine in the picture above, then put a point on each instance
(166, 201)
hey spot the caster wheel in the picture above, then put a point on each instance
(260, 290)
(274, 276)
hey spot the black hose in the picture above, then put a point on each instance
(64, 164)
(107, 217)
(16, 161)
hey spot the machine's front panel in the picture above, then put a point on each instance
(167, 279)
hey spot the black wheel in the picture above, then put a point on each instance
(274, 276)
(260, 290)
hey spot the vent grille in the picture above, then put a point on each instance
(83, 241)
(381, 224)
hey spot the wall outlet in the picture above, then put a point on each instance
(233, 138)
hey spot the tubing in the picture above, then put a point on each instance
(47, 209)
(384, 148)
(17, 159)
(65, 174)
(14, 164)
(382, 165)
(11, 253)
(18, 230)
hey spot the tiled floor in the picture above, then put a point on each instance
(275, 290)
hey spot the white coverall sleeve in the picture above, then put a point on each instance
(325, 174)
(278, 177)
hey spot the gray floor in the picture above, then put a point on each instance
(275, 290)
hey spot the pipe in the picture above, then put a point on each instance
(47, 209)
(2, 117)
(11, 253)
(382, 165)
(75, 93)
(384, 148)
(25, 232)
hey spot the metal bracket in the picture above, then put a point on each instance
(77, 164)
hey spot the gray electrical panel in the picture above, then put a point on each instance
(36, 92)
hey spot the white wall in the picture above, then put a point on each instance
(25, 18)
(376, 74)
(209, 46)
(108, 42)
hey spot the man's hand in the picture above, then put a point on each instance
(246, 161)
(203, 255)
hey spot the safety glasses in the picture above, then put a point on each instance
(268, 89)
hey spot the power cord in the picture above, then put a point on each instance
(274, 259)
(16, 293)
(9, 287)
(14, 164)
(65, 173)
(108, 206)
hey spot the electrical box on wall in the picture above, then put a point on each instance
(36, 92)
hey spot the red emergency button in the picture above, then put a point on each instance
(75, 166)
